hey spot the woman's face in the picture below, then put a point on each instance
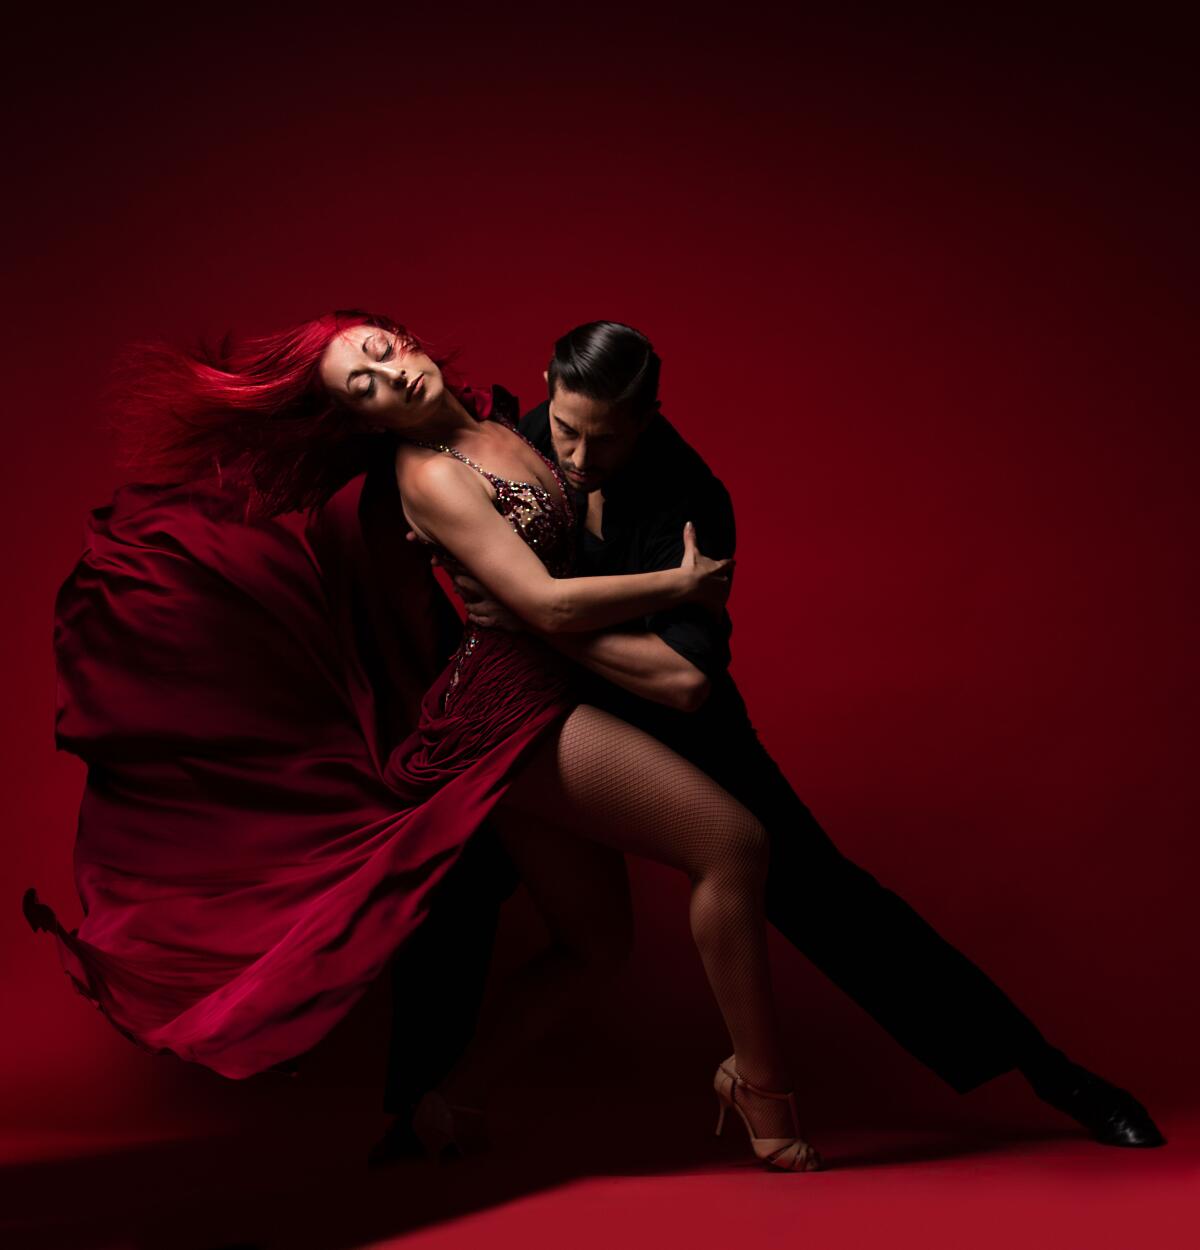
(382, 376)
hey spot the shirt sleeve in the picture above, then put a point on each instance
(692, 631)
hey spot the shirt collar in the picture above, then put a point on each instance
(637, 473)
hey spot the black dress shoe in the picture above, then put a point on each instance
(398, 1142)
(1112, 1115)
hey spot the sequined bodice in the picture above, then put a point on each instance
(543, 520)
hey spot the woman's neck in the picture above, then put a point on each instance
(448, 424)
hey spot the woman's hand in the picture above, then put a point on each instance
(713, 579)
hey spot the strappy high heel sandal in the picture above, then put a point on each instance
(788, 1154)
(446, 1130)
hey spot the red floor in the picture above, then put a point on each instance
(302, 1184)
(1029, 1194)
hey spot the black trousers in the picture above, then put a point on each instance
(439, 975)
(870, 943)
(866, 939)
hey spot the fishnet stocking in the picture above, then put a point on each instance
(610, 783)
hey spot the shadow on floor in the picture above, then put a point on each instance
(302, 1184)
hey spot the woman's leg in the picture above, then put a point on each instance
(581, 890)
(604, 780)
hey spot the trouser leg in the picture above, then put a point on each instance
(933, 1000)
(438, 976)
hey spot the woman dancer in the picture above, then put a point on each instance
(499, 733)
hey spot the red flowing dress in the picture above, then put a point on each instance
(251, 850)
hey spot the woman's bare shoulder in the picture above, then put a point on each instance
(419, 467)
(409, 456)
(427, 477)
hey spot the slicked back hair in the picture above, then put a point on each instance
(609, 362)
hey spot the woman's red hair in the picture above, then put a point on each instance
(255, 406)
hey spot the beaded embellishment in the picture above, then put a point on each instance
(546, 523)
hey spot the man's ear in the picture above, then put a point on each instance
(546, 376)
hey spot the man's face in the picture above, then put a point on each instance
(591, 439)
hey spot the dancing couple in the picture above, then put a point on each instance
(242, 650)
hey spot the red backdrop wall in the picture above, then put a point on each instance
(925, 293)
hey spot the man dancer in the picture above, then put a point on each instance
(638, 482)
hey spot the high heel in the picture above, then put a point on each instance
(446, 1130)
(788, 1154)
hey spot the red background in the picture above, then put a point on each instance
(925, 293)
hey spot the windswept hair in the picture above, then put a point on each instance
(607, 361)
(252, 407)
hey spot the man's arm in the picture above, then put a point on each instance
(698, 638)
(640, 663)
(673, 658)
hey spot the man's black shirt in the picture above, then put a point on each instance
(646, 504)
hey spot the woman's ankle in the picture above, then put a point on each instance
(773, 1076)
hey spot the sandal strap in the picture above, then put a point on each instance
(739, 1079)
(787, 1156)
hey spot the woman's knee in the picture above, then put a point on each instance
(742, 850)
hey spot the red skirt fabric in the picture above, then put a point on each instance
(262, 826)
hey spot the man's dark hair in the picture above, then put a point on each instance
(609, 362)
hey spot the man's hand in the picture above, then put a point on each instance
(713, 579)
(482, 609)
(414, 537)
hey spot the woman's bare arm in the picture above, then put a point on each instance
(449, 504)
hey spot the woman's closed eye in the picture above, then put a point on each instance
(366, 392)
